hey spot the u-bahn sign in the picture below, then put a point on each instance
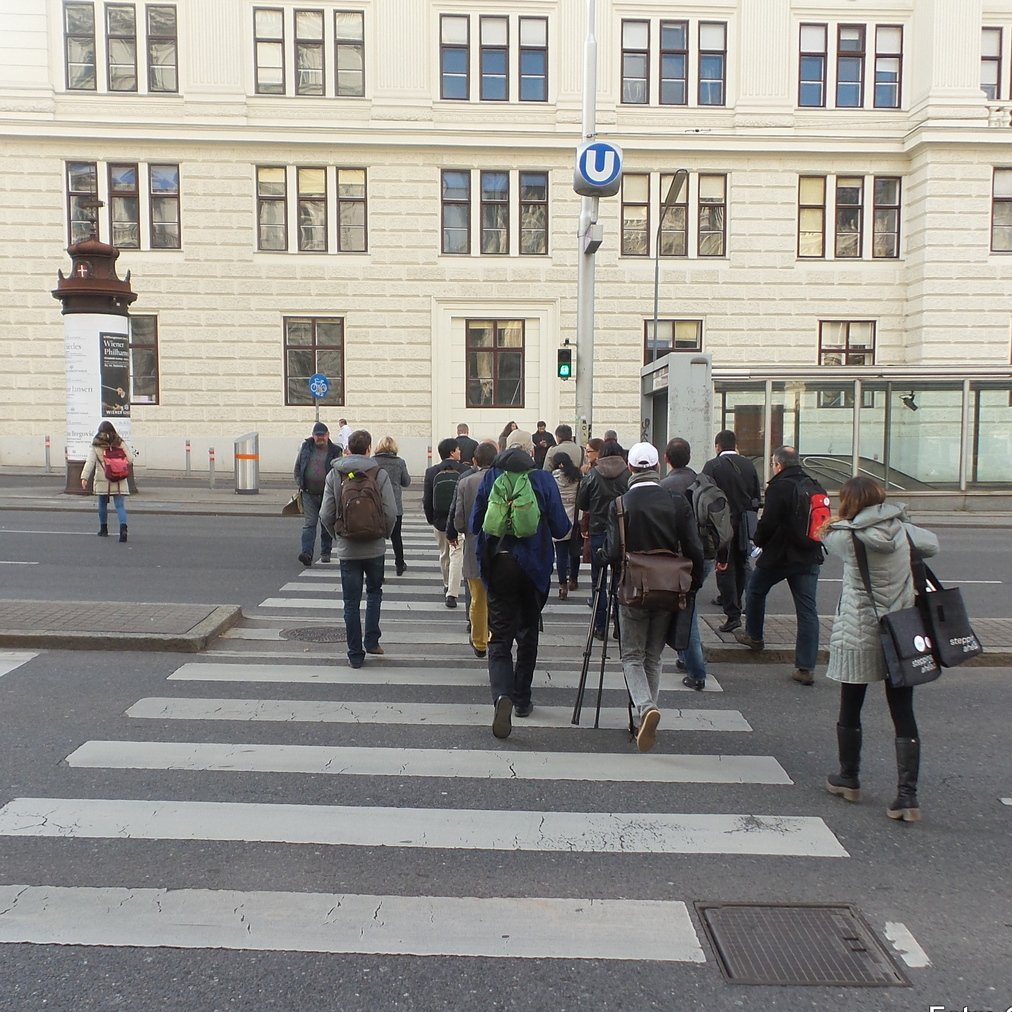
(598, 169)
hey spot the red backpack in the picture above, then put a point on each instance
(812, 509)
(115, 463)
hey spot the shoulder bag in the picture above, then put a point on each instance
(293, 508)
(948, 624)
(657, 579)
(906, 640)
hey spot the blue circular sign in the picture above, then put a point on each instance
(319, 385)
(599, 166)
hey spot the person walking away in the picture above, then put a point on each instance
(108, 467)
(516, 568)
(736, 476)
(397, 471)
(466, 443)
(359, 511)
(466, 493)
(654, 518)
(437, 496)
(543, 442)
(312, 466)
(343, 434)
(457, 539)
(567, 476)
(564, 443)
(788, 533)
(856, 659)
(601, 486)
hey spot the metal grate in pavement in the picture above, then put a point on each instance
(316, 634)
(797, 944)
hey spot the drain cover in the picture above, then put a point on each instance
(315, 634)
(797, 943)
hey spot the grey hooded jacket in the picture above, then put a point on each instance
(855, 654)
(343, 548)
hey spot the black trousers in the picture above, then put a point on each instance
(514, 613)
(901, 707)
(398, 543)
(731, 581)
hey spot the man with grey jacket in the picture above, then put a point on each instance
(361, 560)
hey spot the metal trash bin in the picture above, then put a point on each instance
(247, 464)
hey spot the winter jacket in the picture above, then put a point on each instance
(855, 654)
(601, 486)
(567, 493)
(453, 532)
(343, 547)
(535, 555)
(95, 466)
(305, 452)
(468, 446)
(576, 454)
(736, 477)
(678, 479)
(397, 471)
(776, 533)
(655, 518)
(463, 502)
(437, 520)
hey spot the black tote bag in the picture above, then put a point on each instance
(948, 624)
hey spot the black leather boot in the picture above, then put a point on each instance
(908, 764)
(122, 532)
(845, 783)
(103, 530)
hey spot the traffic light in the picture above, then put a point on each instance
(565, 369)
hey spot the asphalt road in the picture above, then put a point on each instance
(946, 879)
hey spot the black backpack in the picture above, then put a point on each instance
(443, 486)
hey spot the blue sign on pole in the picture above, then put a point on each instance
(598, 169)
(319, 385)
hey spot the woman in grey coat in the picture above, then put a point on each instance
(855, 653)
(397, 471)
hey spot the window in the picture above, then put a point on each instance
(124, 209)
(635, 62)
(635, 215)
(349, 53)
(454, 58)
(533, 213)
(888, 63)
(672, 335)
(885, 237)
(849, 216)
(495, 363)
(712, 215)
(128, 202)
(674, 62)
(163, 73)
(79, 46)
(493, 58)
(850, 67)
(1001, 212)
(990, 63)
(846, 342)
(309, 58)
(712, 62)
(319, 224)
(812, 68)
(269, 41)
(121, 46)
(812, 216)
(674, 236)
(312, 345)
(143, 359)
(505, 198)
(533, 60)
(118, 47)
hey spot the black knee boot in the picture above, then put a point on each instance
(103, 530)
(122, 532)
(846, 783)
(908, 763)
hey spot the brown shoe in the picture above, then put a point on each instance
(375, 650)
(573, 585)
(563, 591)
(646, 738)
(803, 676)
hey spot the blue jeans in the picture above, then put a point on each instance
(803, 581)
(692, 655)
(103, 509)
(311, 503)
(353, 572)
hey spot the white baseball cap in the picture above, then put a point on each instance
(643, 455)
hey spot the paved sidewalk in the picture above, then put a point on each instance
(71, 625)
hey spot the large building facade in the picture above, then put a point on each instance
(381, 191)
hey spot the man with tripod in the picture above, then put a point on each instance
(653, 518)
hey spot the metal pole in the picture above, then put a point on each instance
(585, 267)
(49, 467)
(210, 467)
(316, 402)
(677, 182)
(187, 458)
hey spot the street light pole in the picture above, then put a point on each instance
(677, 182)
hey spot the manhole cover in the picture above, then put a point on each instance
(315, 634)
(797, 943)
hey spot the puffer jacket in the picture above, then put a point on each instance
(567, 492)
(855, 653)
(601, 486)
(397, 472)
(94, 466)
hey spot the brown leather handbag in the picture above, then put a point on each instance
(657, 579)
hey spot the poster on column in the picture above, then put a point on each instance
(114, 366)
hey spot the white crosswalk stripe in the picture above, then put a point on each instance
(11, 659)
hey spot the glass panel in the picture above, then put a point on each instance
(533, 32)
(673, 34)
(510, 334)
(711, 36)
(269, 24)
(309, 24)
(817, 417)
(479, 334)
(122, 178)
(453, 30)
(812, 189)
(711, 188)
(312, 182)
(330, 363)
(351, 182)
(83, 176)
(635, 34)
(271, 182)
(889, 40)
(1003, 182)
(636, 188)
(161, 20)
(813, 38)
(494, 31)
(299, 332)
(120, 20)
(851, 39)
(80, 19)
(990, 460)
(350, 26)
(687, 334)
(741, 407)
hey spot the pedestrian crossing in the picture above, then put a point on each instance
(12, 659)
(251, 729)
